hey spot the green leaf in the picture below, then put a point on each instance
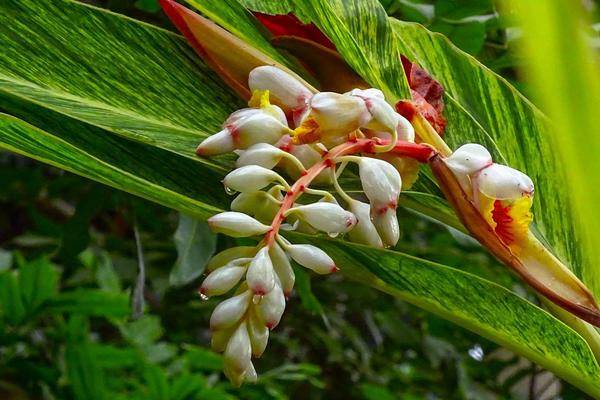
(90, 302)
(240, 22)
(201, 359)
(143, 331)
(85, 376)
(373, 392)
(11, 303)
(195, 245)
(302, 287)
(564, 72)
(109, 357)
(6, 260)
(150, 6)
(38, 282)
(113, 161)
(477, 304)
(157, 384)
(469, 36)
(107, 277)
(132, 79)
(186, 387)
(484, 108)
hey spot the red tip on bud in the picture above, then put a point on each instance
(334, 269)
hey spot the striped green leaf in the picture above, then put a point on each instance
(482, 107)
(131, 79)
(564, 73)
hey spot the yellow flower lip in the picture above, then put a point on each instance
(533, 262)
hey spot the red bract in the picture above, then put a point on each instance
(427, 96)
(290, 25)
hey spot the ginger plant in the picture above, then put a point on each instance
(314, 137)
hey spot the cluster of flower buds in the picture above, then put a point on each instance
(503, 195)
(305, 135)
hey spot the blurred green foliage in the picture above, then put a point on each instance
(69, 264)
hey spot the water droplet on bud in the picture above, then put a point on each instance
(203, 297)
(256, 299)
(230, 191)
(333, 234)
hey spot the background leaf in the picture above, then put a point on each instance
(38, 282)
(90, 302)
(11, 303)
(569, 90)
(195, 245)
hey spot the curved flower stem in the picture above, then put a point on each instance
(338, 188)
(419, 152)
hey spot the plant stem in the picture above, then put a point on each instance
(419, 152)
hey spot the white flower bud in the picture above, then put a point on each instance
(381, 182)
(238, 351)
(338, 114)
(468, 159)
(283, 88)
(260, 127)
(384, 117)
(236, 224)
(250, 178)
(222, 280)
(219, 339)
(249, 202)
(364, 232)
(229, 312)
(262, 154)
(308, 157)
(260, 275)
(405, 130)
(326, 217)
(366, 94)
(259, 333)
(218, 143)
(504, 183)
(250, 375)
(271, 307)
(312, 257)
(228, 255)
(283, 268)
(387, 226)
(235, 379)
